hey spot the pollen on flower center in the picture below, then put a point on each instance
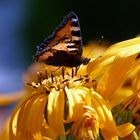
(48, 82)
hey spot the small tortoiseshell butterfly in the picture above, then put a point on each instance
(64, 46)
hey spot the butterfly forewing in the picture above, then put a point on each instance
(65, 44)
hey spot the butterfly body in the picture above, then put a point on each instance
(64, 46)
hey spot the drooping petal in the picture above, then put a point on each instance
(107, 123)
(87, 126)
(27, 118)
(75, 101)
(55, 111)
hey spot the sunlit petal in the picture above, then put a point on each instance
(125, 129)
(114, 76)
(120, 95)
(22, 125)
(55, 111)
(125, 48)
(107, 123)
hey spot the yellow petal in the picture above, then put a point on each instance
(114, 76)
(136, 82)
(82, 70)
(55, 111)
(120, 95)
(75, 101)
(96, 67)
(28, 117)
(94, 49)
(87, 125)
(135, 69)
(125, 129)
(107, 123)
(47, 132)
(126, 48)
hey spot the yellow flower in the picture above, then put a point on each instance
(60, 102)
(76, 105)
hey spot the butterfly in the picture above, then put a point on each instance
(64, 46)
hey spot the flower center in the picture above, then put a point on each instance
(70, 79)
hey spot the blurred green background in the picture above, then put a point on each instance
(24, 24)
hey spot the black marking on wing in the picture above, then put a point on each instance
(71, 46)
(77, 42)
(75, 24)
(76, 33)
(67, 60)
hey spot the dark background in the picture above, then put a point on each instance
(116, 20)
(26, 23)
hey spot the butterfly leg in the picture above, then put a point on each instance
(72, 73)
(57, 69)
(76, 70)
(63, 71)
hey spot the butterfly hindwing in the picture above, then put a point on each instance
(64, 46)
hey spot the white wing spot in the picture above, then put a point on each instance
(76, 38)
(74, 19)
(70, 44)
(75, 28)
(72, 49)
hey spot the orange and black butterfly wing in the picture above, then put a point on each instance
(64, 46)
